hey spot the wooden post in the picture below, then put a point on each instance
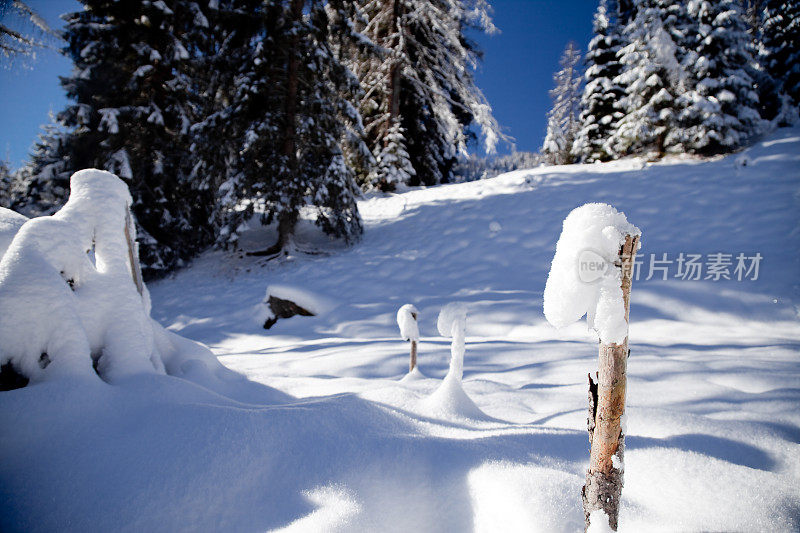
(409, 331)
(413, 362)
(603, 487)
(133, 255)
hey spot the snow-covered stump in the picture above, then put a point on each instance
(72, 300)
(591, 274)
(407, 317)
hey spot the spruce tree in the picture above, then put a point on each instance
(5, 184)
(393, 166)
(131, 116)
(650, 77)
(421, 97)
(720, 111)
(562, 121)
(600, 102)
(780, 45)
(284, 118)
(44, 180)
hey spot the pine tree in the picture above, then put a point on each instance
(44, 180)
(562, 121)
(720, 112)
(780, 45)
(421, 97)
(5, 184)
(651, 77)
(284, 117)
(600, 102)
(393, 166)
(131, 116)
(772, 103)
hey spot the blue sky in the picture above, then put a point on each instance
(515, 76)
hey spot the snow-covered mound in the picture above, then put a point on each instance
(325, 437)
(10, 222)
(68, 298)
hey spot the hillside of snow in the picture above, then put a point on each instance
(326, 435)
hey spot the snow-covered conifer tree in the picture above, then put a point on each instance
(650, 77)
(392, 164)
(562, 120)
(780, 44)
(5, 184)
(420, 91)
(600, 102)
(44, 180)
(720, 111)
(285, 120)
(131, 116)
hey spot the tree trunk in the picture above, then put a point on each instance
(413, 363)
(286, 222)
(393, 95)
(603, 487)
(133, 254)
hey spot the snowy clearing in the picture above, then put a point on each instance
(325, 437)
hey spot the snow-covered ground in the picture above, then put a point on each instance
(327, 436)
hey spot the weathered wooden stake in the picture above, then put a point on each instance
(133, 256)
(409, 330)
(413, 362)
(603, 487)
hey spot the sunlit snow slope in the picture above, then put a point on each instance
(329, 439)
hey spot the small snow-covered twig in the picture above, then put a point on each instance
(407, 317)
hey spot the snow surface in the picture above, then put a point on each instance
(323, 437)
(592, 234)
(598, 522)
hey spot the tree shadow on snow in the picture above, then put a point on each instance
(721, 448)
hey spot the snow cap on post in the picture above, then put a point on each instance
(407, 322)
(583, 279)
